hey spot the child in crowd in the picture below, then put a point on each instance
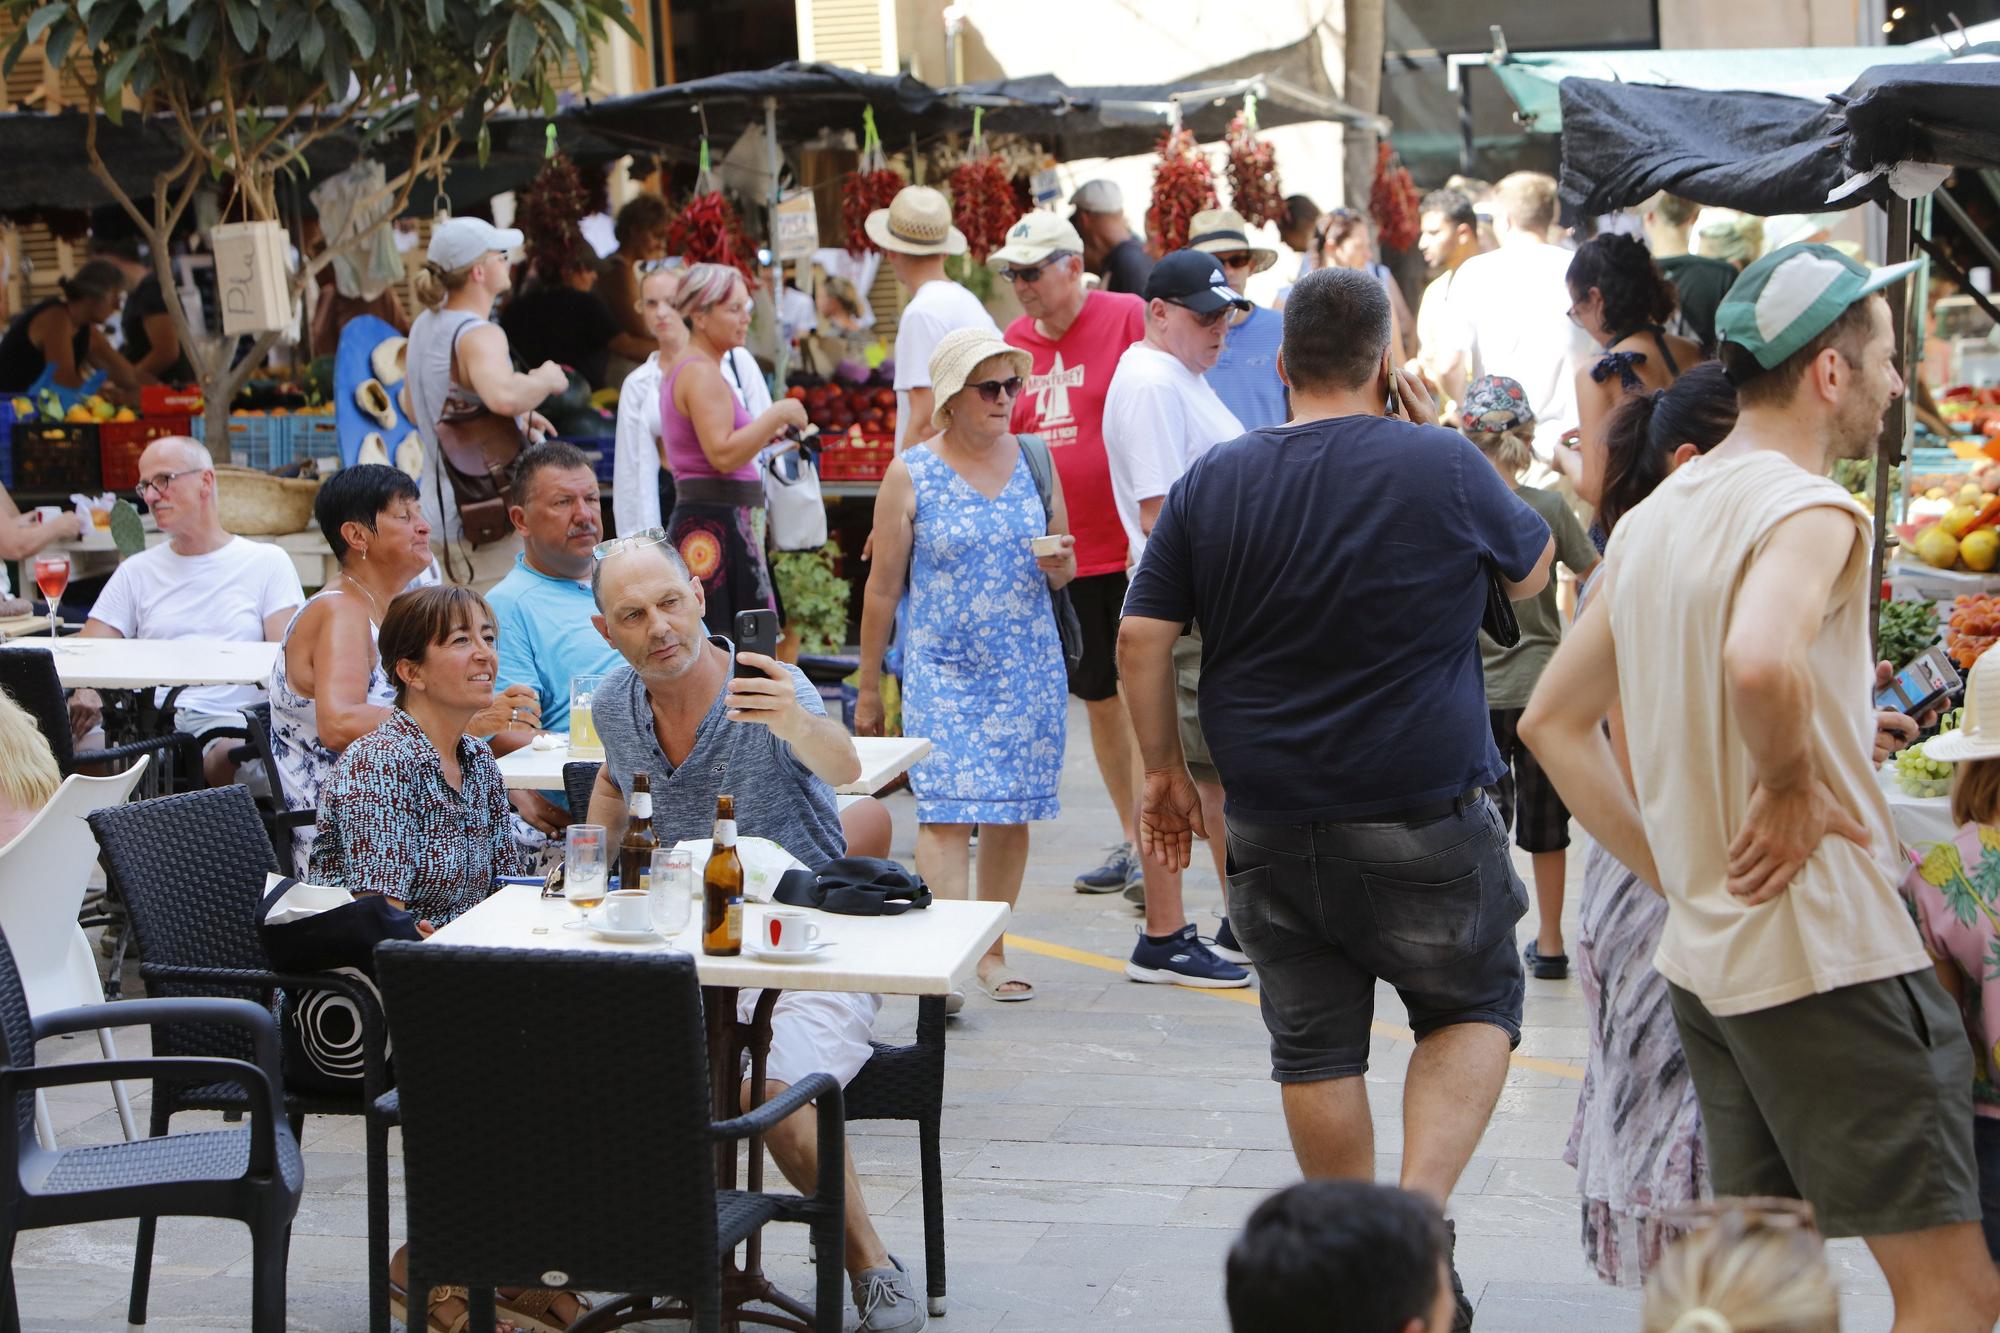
(1497, 418)
(1954, 893)
(1757, 1267)
(1342, 1254)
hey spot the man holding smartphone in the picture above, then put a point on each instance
(1339, 566)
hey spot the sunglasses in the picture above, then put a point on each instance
(644, 537)
(1019, 275)
(158, 484)
(990, 390)
(1236, 259)
(1207, 321)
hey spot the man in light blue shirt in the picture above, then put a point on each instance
(542, 609)
(1245, 376)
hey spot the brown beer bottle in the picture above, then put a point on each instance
(722, 887)
(635, 854)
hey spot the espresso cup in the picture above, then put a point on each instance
(625, 909)
(789, 932)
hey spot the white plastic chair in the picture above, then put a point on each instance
(44, 872)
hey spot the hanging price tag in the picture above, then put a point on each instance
(798, 226)
(1044, 184)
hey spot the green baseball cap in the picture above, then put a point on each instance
(1787, 298)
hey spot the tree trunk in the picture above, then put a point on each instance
(1364, 35)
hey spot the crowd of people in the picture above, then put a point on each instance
(1264, 547)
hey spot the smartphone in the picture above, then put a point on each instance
(1921, 686)
(1394, 402)
(756, 632)
(1046, 545)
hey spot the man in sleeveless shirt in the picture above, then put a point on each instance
(1733, 625)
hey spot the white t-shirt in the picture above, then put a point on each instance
(226, 594)
(935, 310)
(1159, 417)
(1511, 308)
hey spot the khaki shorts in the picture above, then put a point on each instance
(1857, 1100)
(1187, 685)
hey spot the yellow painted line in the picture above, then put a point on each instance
(1244, 995)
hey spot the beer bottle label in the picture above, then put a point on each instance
(733, 918)
(725, 833)
(642, 805)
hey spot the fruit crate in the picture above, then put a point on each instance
(314, 437)
(56, 458)
(119, 444)
(164, 400)
(843, 458)
(255, 442)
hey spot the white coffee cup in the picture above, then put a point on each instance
(625, 909)
(789, 932)
(1050, 544)
(44, 513)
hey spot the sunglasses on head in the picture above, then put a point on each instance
(990, 390)
(645, 537)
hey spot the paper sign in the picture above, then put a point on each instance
(1045, 185)
(798, 226)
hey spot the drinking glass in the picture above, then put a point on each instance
(52, 577)
(584, 870)
(670, 896)
(583, 741)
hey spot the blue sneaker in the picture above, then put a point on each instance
(1182, 959)
(1225, 946)
(1119, 871)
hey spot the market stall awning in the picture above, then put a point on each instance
(1768, 154)
(809, 98)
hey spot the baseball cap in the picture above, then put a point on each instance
(1034, 238)
(1098, 196)
(462, 240)
(1789, 297)
(1193, 280)
(1496, 403)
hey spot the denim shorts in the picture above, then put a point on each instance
(1326, 909)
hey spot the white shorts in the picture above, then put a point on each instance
(815, 1032)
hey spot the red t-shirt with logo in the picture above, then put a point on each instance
(1064, 404)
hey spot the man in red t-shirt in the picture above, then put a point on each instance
(1076, 337)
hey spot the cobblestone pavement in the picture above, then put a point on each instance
(1102, 1143)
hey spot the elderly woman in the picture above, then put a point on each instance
(711, 442)
(983, 673)
(329, 686)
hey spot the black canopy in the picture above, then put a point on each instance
(1768, 154)
(810, 98)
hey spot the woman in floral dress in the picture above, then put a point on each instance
(983, 673)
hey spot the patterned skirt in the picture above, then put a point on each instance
(1636, 1143)
(723, 545)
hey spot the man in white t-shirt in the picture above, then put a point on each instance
(915, 231)
(203, 583)
(1160, 415)
(1509, 310)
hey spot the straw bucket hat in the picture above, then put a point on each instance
(1221, 231)
(916, 222)
(1978, 736)
(958, 354)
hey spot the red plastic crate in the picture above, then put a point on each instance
(844, 458)
(163, 400)
(119, 444)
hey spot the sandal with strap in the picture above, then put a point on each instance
(1001, 976)
(529, 1308)
(399, 1306)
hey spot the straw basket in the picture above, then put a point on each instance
(257, 504)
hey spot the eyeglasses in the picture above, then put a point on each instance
(158, 484)
(646, 537)
(990, 390)
(1207, 321)
(1034, 274)
(1236, 259)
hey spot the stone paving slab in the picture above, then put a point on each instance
(1102, 1144)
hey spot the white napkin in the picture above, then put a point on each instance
(764, 863)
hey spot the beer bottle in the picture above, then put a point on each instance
(722, 887)
(635, 854)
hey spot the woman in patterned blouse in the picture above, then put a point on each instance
(416, 809)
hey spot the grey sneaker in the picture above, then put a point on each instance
(1120, 870)
(887, 1301)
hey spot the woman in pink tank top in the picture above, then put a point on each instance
(712, 443)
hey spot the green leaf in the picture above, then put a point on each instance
(360, 27)
(433, 14)
(312, 43)
(291, 26)
(243, 22)
(41, 19)
(177, 9)
(522, 39)
(102, 18)
(563, 18)
(115, 77)
(200, 29)
(485, 143)
(617, 14)
(56, 44)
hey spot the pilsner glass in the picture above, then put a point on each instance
(583, 741)
(670, 897)
(584, 869)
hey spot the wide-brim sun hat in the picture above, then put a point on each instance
(958, 354)
(1978, 734)
(1790, 296)
(1221, 231)
(916, 222)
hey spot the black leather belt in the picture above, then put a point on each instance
(1429, 812)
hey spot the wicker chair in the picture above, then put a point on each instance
(192, 869)
(29, 675)
(637, 1209)
(279, 818)
(897, 1083)
(253, 1174)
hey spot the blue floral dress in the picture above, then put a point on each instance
(983, 673)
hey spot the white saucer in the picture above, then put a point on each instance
(767, 955)
(626, 936)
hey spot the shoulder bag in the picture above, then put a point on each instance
(477, 451)
(1042, 468)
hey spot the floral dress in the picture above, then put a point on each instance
(303, 759)
(1954, 894)
(983, 673)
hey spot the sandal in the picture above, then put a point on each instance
(1004, 975)
(529, 1308)
(399, 1306)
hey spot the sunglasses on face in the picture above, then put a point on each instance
(990, 390)
(1236, 259)
(1208, 321)
(1020, 275)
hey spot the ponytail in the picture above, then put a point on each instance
(97, 278)
(434, 285)
(1646, 430)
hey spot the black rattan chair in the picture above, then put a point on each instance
(192, 870)
(897, 1083)
(279, 818)
(29, 676)
(638, 1209)
(253, 1174)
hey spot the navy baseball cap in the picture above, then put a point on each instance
(1192, 279)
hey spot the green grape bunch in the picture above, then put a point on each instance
(1920, 775)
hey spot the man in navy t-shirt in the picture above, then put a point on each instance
(1339, 567)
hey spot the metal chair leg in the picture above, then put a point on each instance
(118, 1093)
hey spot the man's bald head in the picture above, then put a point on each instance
(177, 482)
(173, 453)
(609, 575)
(650, 610)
